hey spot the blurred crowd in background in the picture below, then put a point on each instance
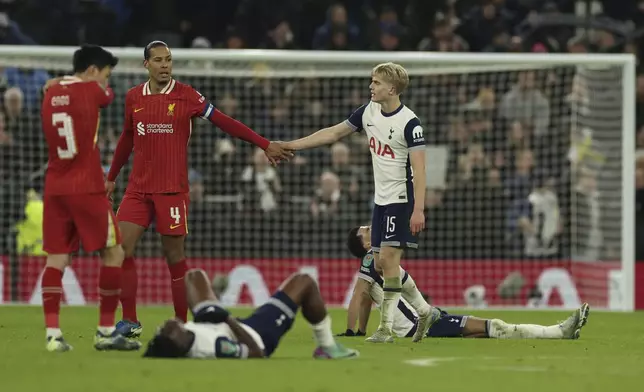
(505, 135)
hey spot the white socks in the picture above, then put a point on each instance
(322, 333)
(54, 333)
(392, 293)
(106, 331)
(413, 296)
(501, 330)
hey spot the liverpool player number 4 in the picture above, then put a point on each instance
(157, 126)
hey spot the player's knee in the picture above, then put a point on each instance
(113, 256)
(305, 281)
(58, 261)
(131, 234)
(128, 248)
(194, 274)
(298, 281)
(389, 255)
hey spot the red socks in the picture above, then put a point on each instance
(109, 290)
(52, 291)
(177, 274)
(129, 285)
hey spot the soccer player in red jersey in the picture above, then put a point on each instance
(76, 208)
(158, 124)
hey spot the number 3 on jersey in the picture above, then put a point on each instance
(65, 129)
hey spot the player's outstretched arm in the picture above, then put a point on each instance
(320, 138)
(275, 152)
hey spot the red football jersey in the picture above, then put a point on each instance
(70, 116)
(161, 125)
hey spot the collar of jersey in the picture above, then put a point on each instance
(392, 113)
(166, 90)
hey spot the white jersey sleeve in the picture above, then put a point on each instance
(217, 341)
(355, 119)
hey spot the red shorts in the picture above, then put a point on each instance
(70, 219)
(169, 210)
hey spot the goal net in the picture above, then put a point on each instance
(530, 182)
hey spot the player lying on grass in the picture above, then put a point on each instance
(368, 290)
(215, 334)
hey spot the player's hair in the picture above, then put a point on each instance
(393, 73)
(354, 243)
(163, 347)
(89, 55)
(152, 45)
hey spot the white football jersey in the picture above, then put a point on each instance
(218, 341)
(391, 137)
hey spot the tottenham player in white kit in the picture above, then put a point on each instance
(397, 149)
(215, 334)
(368, 291)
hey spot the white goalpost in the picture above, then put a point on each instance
(530, 165)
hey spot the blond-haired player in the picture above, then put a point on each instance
(397, 147)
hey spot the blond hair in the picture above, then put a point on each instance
(392, 73)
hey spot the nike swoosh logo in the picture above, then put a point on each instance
(389, 236)
(138, 110)
(178, 279)
(172, 227)
(370, 125)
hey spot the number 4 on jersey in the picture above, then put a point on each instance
(175, 214)
(65, 129)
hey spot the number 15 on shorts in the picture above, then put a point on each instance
(390, 227)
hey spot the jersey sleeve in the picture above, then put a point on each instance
(104, 95)
(198, 105)
(355, 119)
(364, 272)
(414, 134)
(126, 141)
(226, 348)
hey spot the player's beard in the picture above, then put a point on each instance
(163, 80)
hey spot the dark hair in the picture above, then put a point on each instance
(150, 46)
(163, 347)
(354, 243)
(89, 55)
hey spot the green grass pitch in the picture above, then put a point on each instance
(608, 356)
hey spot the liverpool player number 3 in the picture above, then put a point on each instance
(75, 206)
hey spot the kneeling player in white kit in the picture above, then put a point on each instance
(397, 145)
(368, 290)
(215, 334)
